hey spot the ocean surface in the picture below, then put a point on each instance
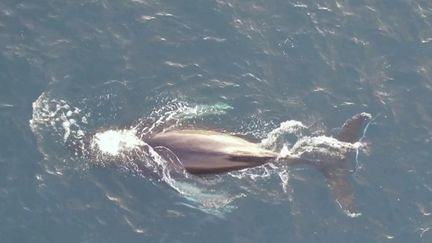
(72, 69)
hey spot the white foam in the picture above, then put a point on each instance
(6, 105)
(322, 147)
(114, 142)
(58, 116)
(288, 127)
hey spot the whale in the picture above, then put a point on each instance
(203, 152)
(208, 152)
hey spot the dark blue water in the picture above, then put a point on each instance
(247, 66)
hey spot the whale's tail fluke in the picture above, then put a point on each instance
(337, 172)
(352, 128)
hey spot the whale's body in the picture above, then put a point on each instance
(205, 152)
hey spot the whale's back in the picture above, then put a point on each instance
(202, 151)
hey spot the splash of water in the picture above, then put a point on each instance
(288, 127)
(114, 142)
(322, 148)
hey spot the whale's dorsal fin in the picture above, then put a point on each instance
(337, 172)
